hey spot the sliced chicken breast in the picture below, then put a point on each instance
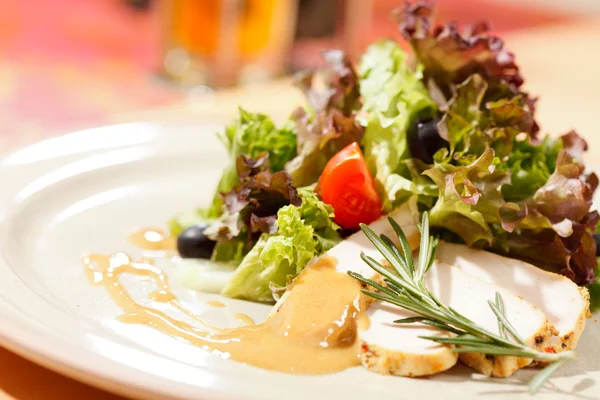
(564, 303)
(469, 296)
(389, 348)
(394, 349)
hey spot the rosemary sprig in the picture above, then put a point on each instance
(404, 287)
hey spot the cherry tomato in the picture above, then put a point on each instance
(347, 185)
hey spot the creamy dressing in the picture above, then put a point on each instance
(313, 332)
(215, 303)
(155, 239)
(244, 319)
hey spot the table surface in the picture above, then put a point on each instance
(561, 63)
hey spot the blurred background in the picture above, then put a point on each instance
(69, 64)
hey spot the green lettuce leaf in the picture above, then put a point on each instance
(594, 290)
(302, 233)
(320, 216)
(394, 96)
(273, 259)
(232, 250)
(469, 198)
(389, 86)
(530, 167)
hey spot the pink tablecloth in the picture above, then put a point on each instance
(70, 63)
(66, 64)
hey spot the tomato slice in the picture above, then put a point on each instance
(347, 185)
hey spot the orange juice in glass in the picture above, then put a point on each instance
(225, 42)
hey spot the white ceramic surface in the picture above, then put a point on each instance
(85, 192)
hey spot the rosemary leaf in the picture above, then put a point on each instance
(405, 268)
(425, 252)
(371, 283)
(463, 340)
(430, 322)
(500, 305)
(432, 253)
(406, 250)
(385, 251)
(393, 286)
(538, 381)
(506, 323)
(376, 266)
(495, 350)
(410, 320)
(444, 327)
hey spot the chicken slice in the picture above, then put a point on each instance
(564, 303)
(394, 349)
(469, 296)
(389, 348)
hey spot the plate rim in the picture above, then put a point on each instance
(20, 336)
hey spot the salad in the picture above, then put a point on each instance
(449, 125)
(412, 189)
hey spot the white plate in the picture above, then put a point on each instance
(84, 193)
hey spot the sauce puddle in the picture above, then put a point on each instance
(314, 331)
(155, 239)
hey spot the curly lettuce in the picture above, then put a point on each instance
(252, 134)
(303, 232)
(394, 97)
(320, 137)
(250, 208)
(329, 124)
(450, 55)
(341, 88)
(501, 190)
(499, 185)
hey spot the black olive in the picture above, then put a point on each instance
(193, 243)
(597, 240)
(424, 140)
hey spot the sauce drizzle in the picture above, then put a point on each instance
(155, 239)
(314, 331)
(244, 319)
